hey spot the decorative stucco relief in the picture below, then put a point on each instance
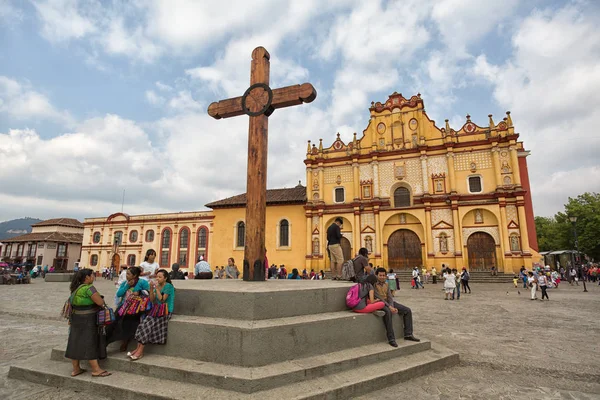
(491, 230)
(436, 240)
(315, 221)
(413, 176)
(441, 214)
(367, 219)
(344, 172)
(512, 214)
(482, 160)
(437, 165)
(365, 172)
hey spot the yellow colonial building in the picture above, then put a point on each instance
(409, 191)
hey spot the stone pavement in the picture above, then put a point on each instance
(510, 347)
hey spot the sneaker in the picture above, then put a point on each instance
(393, 343)
(379, 313)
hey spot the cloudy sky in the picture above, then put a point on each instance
(97, 97)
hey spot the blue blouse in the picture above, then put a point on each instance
(142, 284)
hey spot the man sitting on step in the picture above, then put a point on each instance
(382, 292)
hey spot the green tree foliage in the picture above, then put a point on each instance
(557, 233)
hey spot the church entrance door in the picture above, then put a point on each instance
(346, 248)
(481, 250)
(116, 261)
(404, 250)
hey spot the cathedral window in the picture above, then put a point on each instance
(284, 233)
(475, 185)
(184, 242)
(202, 238)
(150, 235)
(340, 196)
(94, 260)
(401, 197)
(96, 237)
(241, 234)
(118, 237)
(165, 248)
(133, 236)
(131, 260)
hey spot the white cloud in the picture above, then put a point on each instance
(163, 87)
(9, 14)
(551, 84)
(153, 98)
(63, 20)
(20, 101)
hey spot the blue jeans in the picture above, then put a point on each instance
(456, 292)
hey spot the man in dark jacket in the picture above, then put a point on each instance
(176, 273)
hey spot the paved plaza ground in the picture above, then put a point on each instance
(510, 347)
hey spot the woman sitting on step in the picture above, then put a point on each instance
(153, 328)
(128, 311)
(86, 340)
(368, 303)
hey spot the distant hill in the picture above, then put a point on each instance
(16, 227)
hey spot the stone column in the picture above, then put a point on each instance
(356, 179)
(308, 240)
(452, 176)
(458, 243)
(356, 235)
(309, 183)
(321, 182)
(378, 235)
(514, 160)
(428, 233)
(322, 239)
(497, 170)
(523, 227)
(375, 166)
(505, 242)
(426, 180)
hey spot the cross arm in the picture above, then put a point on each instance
(282, 97)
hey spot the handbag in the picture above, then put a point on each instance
(67, 309)
(105, 316)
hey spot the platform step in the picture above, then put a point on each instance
(249, 380)
(341, 385)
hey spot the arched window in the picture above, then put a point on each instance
(401, 197)
(96, 237)
(150, 236)
(184, 241)
(131, 260)
(316, 246)
(165, 248)
(202, 238)
(241, 234)
(133, 236)
(284, 233)
(94, 260)
(118, 237)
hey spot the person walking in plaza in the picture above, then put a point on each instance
(334, 247)
(523, 275)
(456, 292)
(415, 275)
(433, 275)
(532, 283)
(86, 340)
(154, 327)
(542, 281)
(382, 292)
(149, 266)
(125, 325)
(202, 269)
(464, 280)
(424, 274)
(449, 284)
(231, 271)
(368, 303)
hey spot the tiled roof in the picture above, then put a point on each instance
(60, 222)
(47, 237)
(295, 195)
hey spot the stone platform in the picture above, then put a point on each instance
(274, 339)
(59, 277)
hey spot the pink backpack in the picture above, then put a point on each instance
(352, 298)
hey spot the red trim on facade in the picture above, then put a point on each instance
(161, 246)
(529, 217)
(198, 242)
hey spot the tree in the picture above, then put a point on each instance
(552, 235)
(586, 208)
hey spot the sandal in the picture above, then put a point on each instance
(135, 358)
(101, 374)
(81, 371)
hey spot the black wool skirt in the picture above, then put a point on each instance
(123, 328)
(86, 340)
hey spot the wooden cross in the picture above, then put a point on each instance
(259, 101)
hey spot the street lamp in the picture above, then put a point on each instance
(573, 220)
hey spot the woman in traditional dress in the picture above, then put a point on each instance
(154, 327)
(127, 320)
(86, 340)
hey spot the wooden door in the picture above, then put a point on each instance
(346, 248)
(481, 250)
(116, 261)
(404, 250)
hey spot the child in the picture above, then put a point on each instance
(391, 280)
(515, 281)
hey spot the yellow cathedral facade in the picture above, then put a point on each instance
(412, 193)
